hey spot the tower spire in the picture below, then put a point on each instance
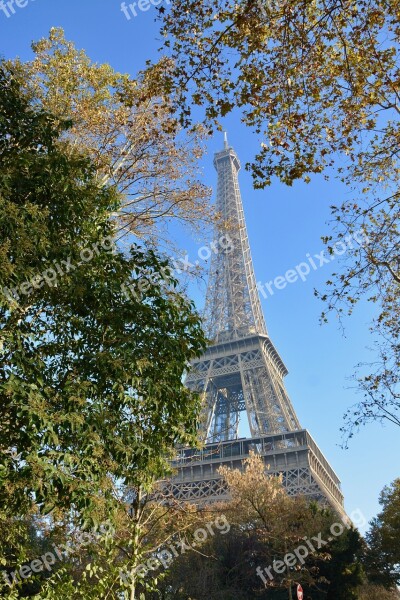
(233, 307)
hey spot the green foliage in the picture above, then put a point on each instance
(94, 341)
(313, 78)
(371, 591)
(383, 554)
(266, 525)
(343, 571)
(225, 568)
(127, 128)
(319, 83)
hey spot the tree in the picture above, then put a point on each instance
(312, 78)
(23, 540)
(319, 84)
(281, 524)
(94, 341)
(256, 557)
(128, 560)
(383, 539)
(127, 128)
(377, 592)
(342, 574)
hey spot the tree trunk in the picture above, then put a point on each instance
(137, 517)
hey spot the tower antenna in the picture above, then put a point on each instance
(226, 145)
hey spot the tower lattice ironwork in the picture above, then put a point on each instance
(242, 373)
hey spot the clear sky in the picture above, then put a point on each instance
(284, 224)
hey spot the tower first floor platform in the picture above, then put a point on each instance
(294, 454)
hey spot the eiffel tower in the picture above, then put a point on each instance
(241, 373)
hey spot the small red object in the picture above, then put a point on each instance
(300, 594)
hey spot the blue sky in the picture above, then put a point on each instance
(284, 224)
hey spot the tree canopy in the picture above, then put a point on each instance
(319, 83)
(256, 557)
(127, 128)
(383, 538)
(94, 340)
